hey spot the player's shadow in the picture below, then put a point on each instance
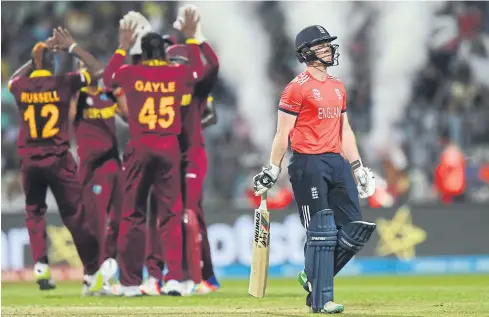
(280, 295)
(59, 296)
(343, 314)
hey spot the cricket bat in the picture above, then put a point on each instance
(260, 251)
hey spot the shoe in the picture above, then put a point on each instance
(302, 278)
(106, 289)
(331, 308)
(209, 286)
(105, 273)
(309, 301)
(43, 277)
(173, 288)
(188, 287)
(86, 285)
(116, 289)
(152, 287)
(127, 291)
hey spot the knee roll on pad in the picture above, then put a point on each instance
(351, 239)
(319, 262)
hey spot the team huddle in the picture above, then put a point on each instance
(145, 210)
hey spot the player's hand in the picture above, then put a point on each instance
(190, 22)
(365, 181)
(51, 42)
(181, 15)
(143, 26)
(199, 36)
(63, 39)
(266, 179)
(127, 34)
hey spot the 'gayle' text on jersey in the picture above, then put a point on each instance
(329, 112)
(151, 86)
(39, 97)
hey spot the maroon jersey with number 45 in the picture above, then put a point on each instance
(44, 101)
(153, 96)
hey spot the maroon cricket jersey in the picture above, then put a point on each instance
(192, 134)
(44, 102)
(153, 96)
(192, 114)
(95, 124)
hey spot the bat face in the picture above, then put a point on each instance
(260, 253)
(262, 228)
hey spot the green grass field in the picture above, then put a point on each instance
(362, 296)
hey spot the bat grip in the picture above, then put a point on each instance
(263, 203)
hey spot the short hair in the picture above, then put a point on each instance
(153, 46)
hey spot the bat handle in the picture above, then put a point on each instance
(263, 203)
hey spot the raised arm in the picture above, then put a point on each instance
(212, 65)
(65, 42)
(195, 65)
(122, 109)
(211, 69)
(115, 63)
(74, 107)
(210, 113)
(64, 64)
(28, 67)
(127, 37)
(22, 71)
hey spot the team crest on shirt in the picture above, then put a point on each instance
(338, 93)
(317, 94)
(89, 101)
(104, 97)
(314, 193)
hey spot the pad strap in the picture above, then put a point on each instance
(351, 239)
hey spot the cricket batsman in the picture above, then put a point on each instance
(323, 168)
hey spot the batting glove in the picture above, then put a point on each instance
(365, 179)
(266, 179)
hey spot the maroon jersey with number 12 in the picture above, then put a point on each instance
(44, 102)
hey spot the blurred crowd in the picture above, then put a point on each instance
(449, 102)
